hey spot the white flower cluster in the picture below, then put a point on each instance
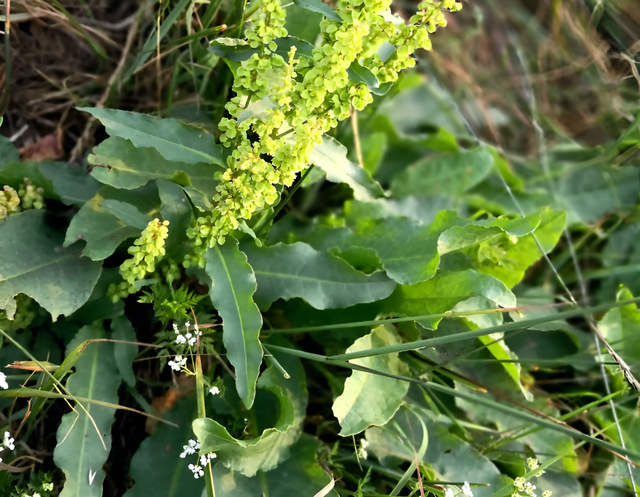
(3, 381)
(7, 443)
(466, 491)
(178, 363)
(191, 448)
(197, 469)
(522, 486)
(214, 391)
(188, 337)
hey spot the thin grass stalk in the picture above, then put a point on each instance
(545, 423)
(430, 342)
(544, 161)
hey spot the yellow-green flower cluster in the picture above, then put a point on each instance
(27, 197)
(289, 104)
(145, 250)
(9, 202)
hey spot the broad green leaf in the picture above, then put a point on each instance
(406, 249)
(99, 306)
(122, 165)
(420, 209)
(302, 23)
(157, 468)
(14, 173)
(323, 280)
(451, 458)
(299, 475)
(507, 257)
(102, 230)
(331, 157)
(8, 152)
(80, 451)
(589, 193)
(232, 295)
(263, 453)
(320, 7)
(442, 292)
(174, 140)
(370, 399)
(124, 353)
(127, 213)
(72, 184)
(446, 174)
(175, 209)
(236, 50)
(33, 262)
(422, 105)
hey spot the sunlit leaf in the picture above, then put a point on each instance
(370, 399)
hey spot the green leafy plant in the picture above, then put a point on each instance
(318, 292)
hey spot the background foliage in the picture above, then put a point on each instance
(418, 310)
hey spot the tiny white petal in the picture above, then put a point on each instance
(3, 381)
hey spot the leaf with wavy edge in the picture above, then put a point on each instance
(331, 157)
(232, 295)
(323, 280)
(265, 452)
(299, 475)
(33, 262)
(123, 165)
(174, 140)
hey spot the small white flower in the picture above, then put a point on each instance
(36, 495)
(547, 493)
(3, 381)
(180, 340)
(466, 489)
(448, 492)
(175, 328)
(187, 324)
(178, 363)
(206, 458)
(197, 470)
(8, 441)
(214, 390)
(189, 449)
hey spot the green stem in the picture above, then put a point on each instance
(430, 342)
